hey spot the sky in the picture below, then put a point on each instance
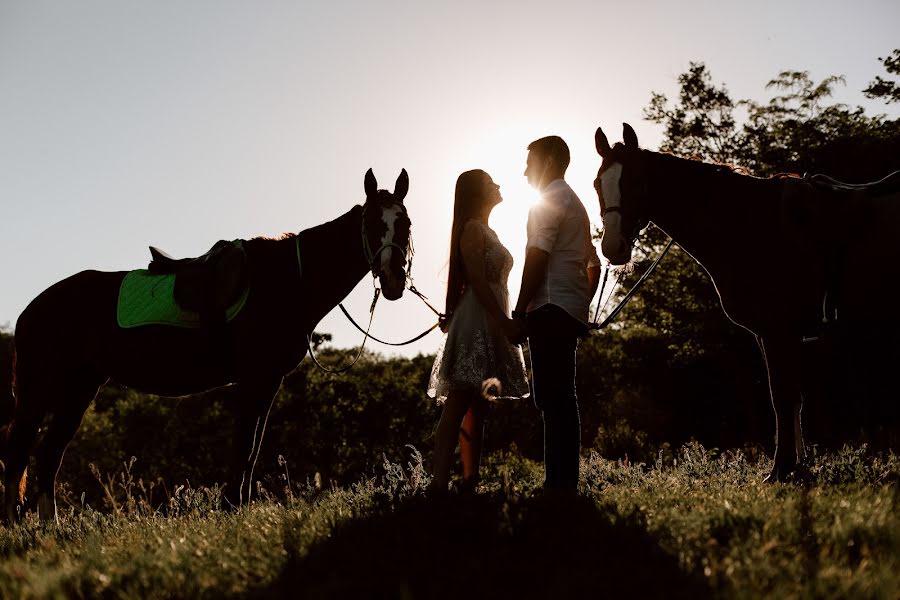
(176, 124)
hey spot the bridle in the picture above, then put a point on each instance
(375, 270)
(372, 257)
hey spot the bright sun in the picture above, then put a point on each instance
(502, 153)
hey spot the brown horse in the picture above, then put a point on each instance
(68, 342)
(785, 255)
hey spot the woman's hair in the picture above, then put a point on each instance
(467, 202)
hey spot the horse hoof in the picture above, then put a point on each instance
(781, 474)
(46, 509)
(14, 515)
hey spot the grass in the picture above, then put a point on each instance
(702, 525)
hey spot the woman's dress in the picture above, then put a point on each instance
(475, 355)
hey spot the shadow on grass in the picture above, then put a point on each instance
(486, 547)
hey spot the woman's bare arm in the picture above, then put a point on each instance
(472, 245)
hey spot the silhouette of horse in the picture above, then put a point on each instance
(68, 343)
(785, 254)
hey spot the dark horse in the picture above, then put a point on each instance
(784, 254)
(68, 343)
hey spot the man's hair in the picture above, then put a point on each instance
(552, 147)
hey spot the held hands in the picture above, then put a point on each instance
(515, 330)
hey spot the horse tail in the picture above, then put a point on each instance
(8, 405)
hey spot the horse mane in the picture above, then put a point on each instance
(263, 240)
(723, 167)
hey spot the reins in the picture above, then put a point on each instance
(370, 258)
(362, 346)
(412, 289)
(609, 319)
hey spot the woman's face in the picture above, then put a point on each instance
(491, 193)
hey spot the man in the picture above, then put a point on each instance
(559, 280)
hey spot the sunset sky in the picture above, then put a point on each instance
(126, 124)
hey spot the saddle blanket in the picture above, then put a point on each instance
(147, 298)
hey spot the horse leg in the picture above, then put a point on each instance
(255, 400)
(781, 358)
(29, 414)
(64, 422)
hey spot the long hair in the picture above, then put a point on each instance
(467, 201)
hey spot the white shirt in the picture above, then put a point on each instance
(559, 225)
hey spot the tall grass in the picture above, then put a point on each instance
(700, 523)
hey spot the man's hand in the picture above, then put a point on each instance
(593, 274)
(534, 272)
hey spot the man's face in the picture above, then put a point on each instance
(534, 169)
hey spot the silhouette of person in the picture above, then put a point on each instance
(559, 280)
(476, 361)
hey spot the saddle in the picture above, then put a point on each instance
(207, 284)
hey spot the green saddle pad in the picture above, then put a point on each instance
(146, 298)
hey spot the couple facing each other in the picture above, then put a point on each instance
(479, 358)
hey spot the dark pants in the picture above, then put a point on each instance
(552, 342)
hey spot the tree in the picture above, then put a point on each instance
(889, 91)
(703, 123)
(796, 131)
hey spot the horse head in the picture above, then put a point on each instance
(622, 190)
(386, 234)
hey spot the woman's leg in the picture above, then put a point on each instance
(471, 437)
(445, 437)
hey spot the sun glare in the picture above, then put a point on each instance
(502, 153)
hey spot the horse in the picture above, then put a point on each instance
(786, 256)
(68, 343)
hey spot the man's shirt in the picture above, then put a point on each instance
(559, 225)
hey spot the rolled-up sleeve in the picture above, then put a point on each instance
(543, 224)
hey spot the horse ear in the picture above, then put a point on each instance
(629, 136)
(601, 142)
(401, 187)
(371, 184)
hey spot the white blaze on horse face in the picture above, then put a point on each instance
(612, 243)
(393, 284)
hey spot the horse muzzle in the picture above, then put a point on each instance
(392, 287)
(616, 249)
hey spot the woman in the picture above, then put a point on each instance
(476, 362)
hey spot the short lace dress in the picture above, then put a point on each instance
(475, 354)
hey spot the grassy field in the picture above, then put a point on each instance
(702, 525)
